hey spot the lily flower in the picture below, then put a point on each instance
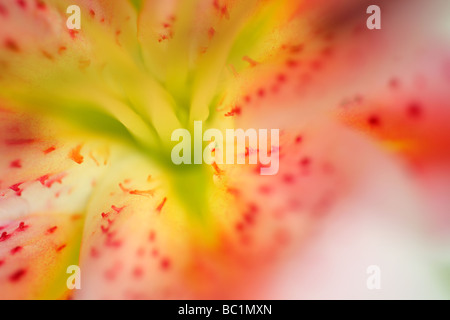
(86, 176)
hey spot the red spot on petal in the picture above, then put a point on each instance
(394, 83)
(288, 178)
(16, 250)
(414, 110)
(305, 162)
(211, 33)
(16, 188)
(281, 78)
(75, 155)
(224, 12)
(252, 62)
(52, 230)
(40, 5)
(16, 276)
(142, 192)
(249, 218)
(12, 45)
(124, 189)
(113, 243)
(73, 33)
(94, 253)
(235, 111)
(16, 164)
(105, 215)
(152, 236)
(43, 179)
(21, 3)
(235, 192)
(48, 55)
(165, 264)
(49, 150)
(297, 48)
(217, 169)
(265, 189)
(291, 63)
(57, 179)
(22, 227)
(117, 209)
(4, 236)
(138, 272)
(118, 32)
(161, 205)
(76, 217)
(253, 208)
(374, 121)
(61, 247)
(104, 229)
(61, 50)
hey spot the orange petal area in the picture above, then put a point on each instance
(35, 253)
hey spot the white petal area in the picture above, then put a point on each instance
(381, 226)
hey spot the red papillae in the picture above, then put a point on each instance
(16, 164)
(12, 45)
(52, 230)
(117, 209)
(161, 205)
(22, 4)
(165, 264)
(22, 227)
(4, 236)
(18, 275)
(75, 155)
(16, 250)
(61, 247)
